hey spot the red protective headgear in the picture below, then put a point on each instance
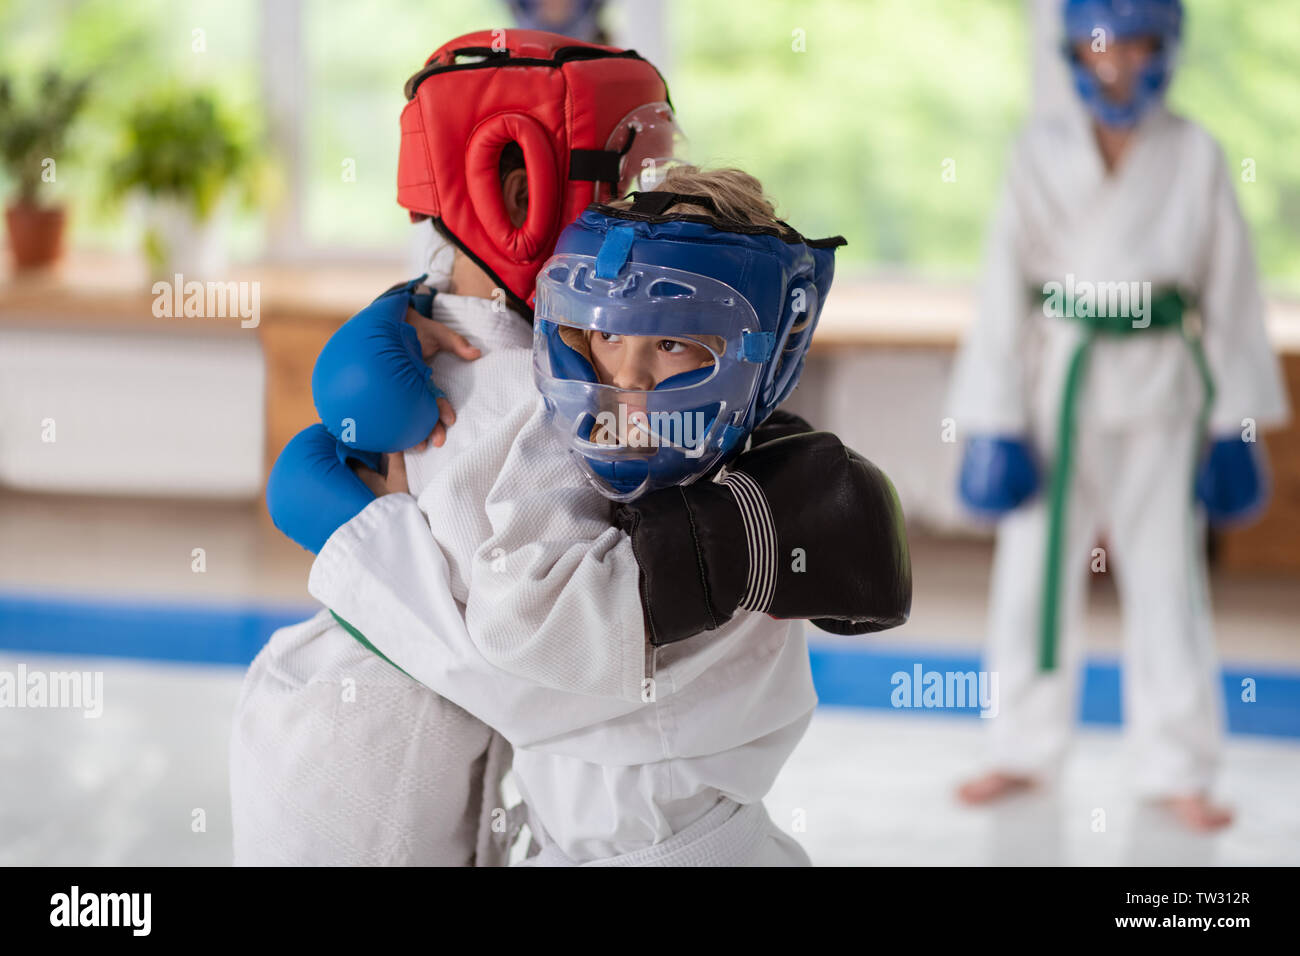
(584, 116)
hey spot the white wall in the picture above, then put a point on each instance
(133, 412)
(887, 404)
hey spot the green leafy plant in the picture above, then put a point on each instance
(33, 131)
(186, 145)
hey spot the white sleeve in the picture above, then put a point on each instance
(554, 592)
(1247, 375)
(988, 389)
(384, 574)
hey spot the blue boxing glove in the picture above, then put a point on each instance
(997, 475)
(1230, 482)
(312, 492)
(371, 385)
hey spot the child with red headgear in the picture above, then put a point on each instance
(338, 757)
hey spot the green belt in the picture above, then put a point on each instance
(1166, 314)
(361, 638)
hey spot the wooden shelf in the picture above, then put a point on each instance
(875, 312)
(301, 306)
(99, 289)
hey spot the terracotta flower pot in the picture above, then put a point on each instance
(35, 235)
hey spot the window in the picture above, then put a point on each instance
(887, 121)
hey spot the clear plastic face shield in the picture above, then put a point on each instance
(632, 440)
(650, 142)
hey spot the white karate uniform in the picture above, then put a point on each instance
(507, 591)
(1168, 215)
(339, 759)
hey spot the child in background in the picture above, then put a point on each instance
(1140, 416)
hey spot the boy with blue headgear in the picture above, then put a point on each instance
(630, 273)
(508, 591)
(1114, 383)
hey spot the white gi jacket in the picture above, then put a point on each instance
(1168, 215)
(508, 591)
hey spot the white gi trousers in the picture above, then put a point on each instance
(338, 758)
(1134, 485)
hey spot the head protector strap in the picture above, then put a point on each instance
(657, 203)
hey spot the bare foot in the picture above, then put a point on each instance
(993, 786)
(1197, 813)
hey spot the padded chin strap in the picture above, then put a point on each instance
(622, 476)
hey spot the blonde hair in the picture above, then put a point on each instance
(737, 195)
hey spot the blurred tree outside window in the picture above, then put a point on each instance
(848, 111)
(850, 114)
(359, 57)
(1240, 78)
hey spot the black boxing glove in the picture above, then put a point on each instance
(798, 527)
(778, 425)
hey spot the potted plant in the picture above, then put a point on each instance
(31, 141)
(186, 156)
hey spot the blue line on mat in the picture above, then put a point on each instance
(862, 675)
(192, 633)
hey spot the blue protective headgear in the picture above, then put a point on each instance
(579, 19)
(1124, 19)
(750, 295)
